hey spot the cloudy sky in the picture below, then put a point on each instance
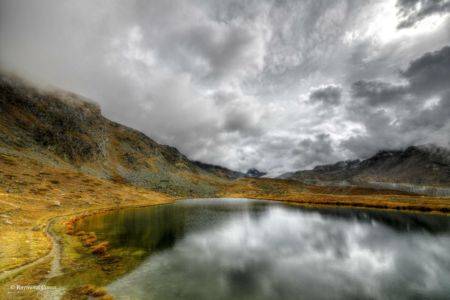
(279, 85)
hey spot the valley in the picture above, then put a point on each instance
(60, 158)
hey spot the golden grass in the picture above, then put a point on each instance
(29, 277)
(291, 191)
(19, 246)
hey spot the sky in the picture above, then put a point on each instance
(279, 85)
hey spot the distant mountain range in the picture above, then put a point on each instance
(416, 167)
(62, 129)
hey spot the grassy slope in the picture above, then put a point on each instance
(32, 193)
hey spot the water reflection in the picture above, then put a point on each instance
(263, 250)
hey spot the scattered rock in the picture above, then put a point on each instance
(36, 228)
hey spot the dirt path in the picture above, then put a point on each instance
(55, 254)
(55, 269)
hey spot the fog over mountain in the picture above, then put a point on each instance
(274, 85)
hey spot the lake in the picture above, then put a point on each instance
(250, 249)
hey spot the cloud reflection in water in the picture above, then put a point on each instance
(283, 252)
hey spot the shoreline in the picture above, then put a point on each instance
(426, 210)
(55, 239)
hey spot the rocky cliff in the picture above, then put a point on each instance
(66, 130)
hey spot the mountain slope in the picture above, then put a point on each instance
(65, 130)
(426, 165)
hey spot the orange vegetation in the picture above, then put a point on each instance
(90, 290)
(292, 191)
(100, 249)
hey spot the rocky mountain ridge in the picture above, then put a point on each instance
(254, 173)
(415, 166)
(68, 131)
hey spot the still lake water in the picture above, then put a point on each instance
(245, 249)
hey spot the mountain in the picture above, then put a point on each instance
(254, 173)
(65, 130)
(415, 166)
(220, 171)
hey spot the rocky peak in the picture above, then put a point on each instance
(254, 173)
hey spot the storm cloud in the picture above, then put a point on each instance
(276, 85)
(330, 95)
(414, 112)
(413, 11)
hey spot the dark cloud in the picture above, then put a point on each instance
(313, 151)
(237, 120)
(328, 95)
(426, 75)
(396, 116)
(430, 73)
(378, 92)
(413, 11)
(430, 119)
